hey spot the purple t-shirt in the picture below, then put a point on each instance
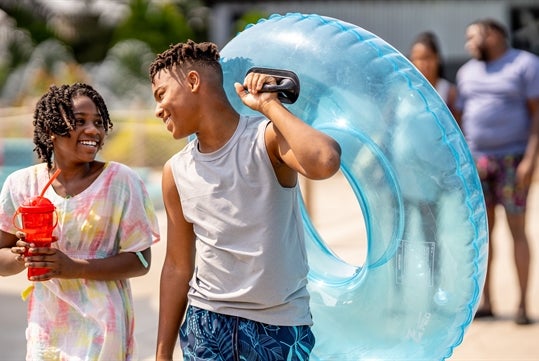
(493, 97)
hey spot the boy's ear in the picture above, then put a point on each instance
(193, 79)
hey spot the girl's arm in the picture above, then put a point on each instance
(11, 260)
(121, 266)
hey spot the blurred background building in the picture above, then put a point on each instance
(110, 43)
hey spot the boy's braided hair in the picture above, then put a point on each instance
(188, 53)
(54, 115)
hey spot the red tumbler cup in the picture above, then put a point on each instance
(38, 218)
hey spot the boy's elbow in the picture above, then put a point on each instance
(335, 158)
(330, 163)
(333, 165)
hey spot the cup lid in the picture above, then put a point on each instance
(37, 205)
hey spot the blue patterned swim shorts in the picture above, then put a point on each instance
(207, 335)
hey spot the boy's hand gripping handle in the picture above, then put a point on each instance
(287, 85)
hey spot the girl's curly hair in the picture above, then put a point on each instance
(190, 53)
(54, 115)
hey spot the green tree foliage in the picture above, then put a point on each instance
(158, 25)
(30, 15)
(20, 29)
(248, 18)
(90, 30)
(83, 32)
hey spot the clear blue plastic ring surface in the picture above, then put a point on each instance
(415, 181)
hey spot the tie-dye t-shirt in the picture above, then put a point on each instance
(79, 319)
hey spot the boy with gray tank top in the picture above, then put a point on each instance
(236, 264)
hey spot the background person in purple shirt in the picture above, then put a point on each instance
(498, 109)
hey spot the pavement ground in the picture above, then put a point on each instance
(335, 213)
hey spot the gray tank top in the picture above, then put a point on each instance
(251, 257)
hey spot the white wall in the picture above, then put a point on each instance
(397, 22)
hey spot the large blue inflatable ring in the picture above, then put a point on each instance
(415, 181)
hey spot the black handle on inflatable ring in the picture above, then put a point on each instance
(287, 85)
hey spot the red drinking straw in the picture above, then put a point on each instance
(50, 182)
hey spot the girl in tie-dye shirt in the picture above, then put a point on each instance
(82, 308)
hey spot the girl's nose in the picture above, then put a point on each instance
(92, 128)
